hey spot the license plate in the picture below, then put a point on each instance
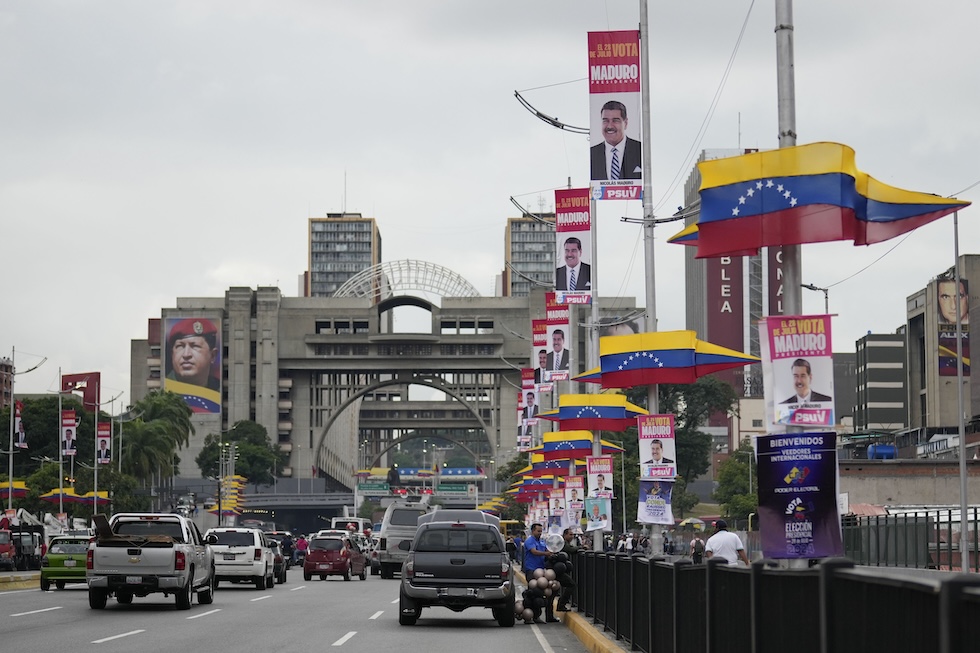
(457, 591)
(229, 556)
(134, 580)
(69, 563)
(323, 565)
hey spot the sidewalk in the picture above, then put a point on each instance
(19, 580)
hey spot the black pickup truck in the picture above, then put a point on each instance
(457, 565)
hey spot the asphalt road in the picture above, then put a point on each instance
(298, 616)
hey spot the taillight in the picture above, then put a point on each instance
(44, 561)
(180, 561)
(504, 566)
(89, 558)
(409, 569)
(344, 554)
(383, 544)
(258, 554)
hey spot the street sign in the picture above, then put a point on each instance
(374, 489)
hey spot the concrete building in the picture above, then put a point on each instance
(6, 381)
(529, 255)
(340, 246)
(882, 392)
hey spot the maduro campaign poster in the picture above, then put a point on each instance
(573, 231)
(615, 124)
(103, 443)
(798, 515)
(600, 472)
(539, 354)
(798, 369)
(559, 357)
(575, 492)
(657, 446)
(653, 506)
(598, 511)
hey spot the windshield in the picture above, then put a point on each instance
(327, 544)
(146, 528)
(234, 538)
(68, 547)
(458, 539)
(406, 517)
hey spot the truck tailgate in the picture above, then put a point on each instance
(457, 568)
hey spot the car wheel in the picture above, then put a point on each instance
(270, 581)
(97, 598)
(125, 598)
(323, 577)
(282, 577)
(386, 571)
(375, 570)
(45, 584)
(505, 614)
(206, 596)
(408, 612)
(363, 574)
(183, 596)
(60, 584)
(307, 576)
(259, 582)
(347, 573)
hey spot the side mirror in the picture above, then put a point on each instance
(405, 545)
(211, 539)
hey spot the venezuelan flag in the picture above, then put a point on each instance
(806, 194)
(660, 357)
(609, 412)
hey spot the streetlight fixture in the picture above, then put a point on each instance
(826, 296)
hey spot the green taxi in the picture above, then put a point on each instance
(64, 562)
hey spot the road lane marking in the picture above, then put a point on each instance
(204, 614)
(395, 601)
(545, 646)
(260, 598)
(377, 614)
(109, 639)
(7, 592)
(301, 587)
(21, 614)
(340, 642)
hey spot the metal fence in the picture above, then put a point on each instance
(834, 607)
(922, 539)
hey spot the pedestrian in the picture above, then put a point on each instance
(535, 555)
(518, 549)
(565, 578)
(726, 545)
(288, 548)
(697, 549)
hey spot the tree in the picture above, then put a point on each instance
(257, 458)
(734, 494)
(171, 409)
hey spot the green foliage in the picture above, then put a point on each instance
(256, 457)
(366, 509)
(733, 491)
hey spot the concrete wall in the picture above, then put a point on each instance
(908, 482)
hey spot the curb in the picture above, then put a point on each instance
(22, 581)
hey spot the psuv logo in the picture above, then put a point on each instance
(622, 192)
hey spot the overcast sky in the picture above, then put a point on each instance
(155, 150)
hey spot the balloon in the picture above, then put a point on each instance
(519, 607)
(560, 568)
(528, 615)
(550, 574)
(532, 584)
(554, 542)
(538, 573)
(548, 592)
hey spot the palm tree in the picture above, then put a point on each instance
(170, 409)
(149, 449)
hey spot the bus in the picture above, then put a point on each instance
(343, 523)
(511, 528)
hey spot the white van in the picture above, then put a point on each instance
(398, 528)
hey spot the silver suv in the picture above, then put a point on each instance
(400, 523)
(243, 554)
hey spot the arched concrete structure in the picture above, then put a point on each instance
(380, 282)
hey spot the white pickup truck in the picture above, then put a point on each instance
(137, 554)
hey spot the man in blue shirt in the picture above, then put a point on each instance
(535, 554)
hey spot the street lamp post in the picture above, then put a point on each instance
(826, 296)
(13, 409)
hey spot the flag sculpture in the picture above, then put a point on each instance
(594, 412)
(796, 195)
(567, 445)
(659, 357)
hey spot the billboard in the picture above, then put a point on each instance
(798, 514)
(798, 369)
(616, 156)
(948, 296)
(192, 362)
(600, 472)
(69, 433)
(559, 356)
(539, 350)
(573, 230)
(657, 447)
(103, 443)
(20, 435)
(653, 504)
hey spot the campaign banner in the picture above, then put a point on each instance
(798, 489)
(599, 469)
(539, 350)
(20, 435)
(798, 369)
(653, 505)
(657, 446)
(103, 443)
(598, 511)
(573, 233)
(524, 443)
(575, 492)
(529, 407)
(559, 357)
(948, 295)
(615, 124)
(192, 362)
(69, 433)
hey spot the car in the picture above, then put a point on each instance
(334, 556)
(64, 562)
(398, 527)
(280, 565)
(279, 536)
(457, 565)
(243, 554)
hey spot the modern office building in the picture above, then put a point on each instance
(340, 246)
(6, 381)
(529, 255)
(882, 392)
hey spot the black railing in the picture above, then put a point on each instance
(834, 607)
(925, 539)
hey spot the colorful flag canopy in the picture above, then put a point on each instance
(19, 489)
(564, 445)
(594, 412)
(805, 194)
(659, 357)
(67, 495)
(541, 467)
(89, 497)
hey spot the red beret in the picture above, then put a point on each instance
(192, 326)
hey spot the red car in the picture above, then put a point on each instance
(334, 556)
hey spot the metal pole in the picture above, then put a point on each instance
(13, 411)
(95, 458)
(964, 522)
(648, 224)
(786, 98)
(61, 453)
